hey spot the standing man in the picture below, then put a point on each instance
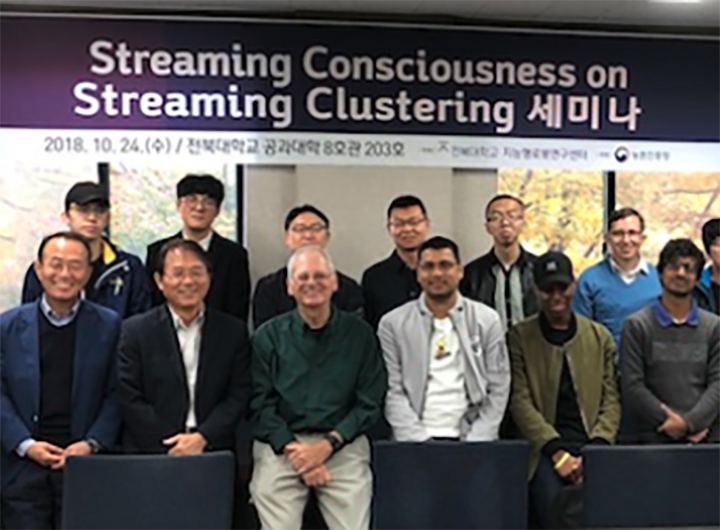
(393, 281)
(117, 279)
(502, 278)
(318, 384)
(621, 284)
(304, 225)
(671, 357)
(707, 291)
(448, 368)
(199, 199)
(564, 392)
(58, 393)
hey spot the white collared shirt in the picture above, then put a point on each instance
(189, 338)
(55, 319)
(204, 242)
(629, 276)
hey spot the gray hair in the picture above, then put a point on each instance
(310, 249)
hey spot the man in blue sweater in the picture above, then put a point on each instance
(622, 283)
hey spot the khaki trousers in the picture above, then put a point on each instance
(280, 495)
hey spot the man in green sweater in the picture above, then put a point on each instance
(319, 382)
(564, 393)
(671, 357)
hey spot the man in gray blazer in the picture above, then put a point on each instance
(447, 362)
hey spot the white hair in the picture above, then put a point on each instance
(310, 249)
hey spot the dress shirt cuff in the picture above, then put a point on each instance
(279, 440)
(22, 449)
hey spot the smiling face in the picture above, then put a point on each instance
(198, 211)
(312, 282)
(625, 238)
(305, 230)
(408, 227)
(185, 279)
(679, 277)
(64, 269)
(556, 299)
(439, 273)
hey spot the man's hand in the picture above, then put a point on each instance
(305, 457)
(674, 426)
(186, 444)
(317, 477)
(698, 436)
(45, 454)
(76, 449)
(571, 469)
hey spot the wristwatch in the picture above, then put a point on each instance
(335, 443)
(94, 446)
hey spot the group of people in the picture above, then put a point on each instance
(108, 355)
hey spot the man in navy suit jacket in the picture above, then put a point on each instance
(57, 363)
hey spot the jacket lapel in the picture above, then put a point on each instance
(169, 343)
(418, 362)
(209, 343)
(31, 351)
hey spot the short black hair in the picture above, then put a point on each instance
(710, 232)
(503, 197)
(405, 201)
(305, 208)
(183, 244)
(201, 185)
(71, 236)
(681, 248)
(624, 213)
(439, 243)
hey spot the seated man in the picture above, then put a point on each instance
(58, 390)
(448, 368)
(304, 225)
(318, 384)
(671, 357)
(564, 393)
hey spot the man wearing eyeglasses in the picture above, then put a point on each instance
(621, 284)
(670, 357)
(393, 281)
(707, 292)
(502, 278)
(448, 367)
(118, 279)
(199, 200)
(304, 225)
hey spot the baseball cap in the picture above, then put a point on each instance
(553, 268)
(86, 192)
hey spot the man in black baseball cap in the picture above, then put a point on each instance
(564, 392)
(118, 280)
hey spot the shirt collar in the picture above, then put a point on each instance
(642, 267)
(56, 319)
(179, 324)
(204, 242)
(520, 262)
(397, 262)
(108, 253)
(666, 320)
(425, 310)
(303, 326)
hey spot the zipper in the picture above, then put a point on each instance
(122, 265)
(577, 395)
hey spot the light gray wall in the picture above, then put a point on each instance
(356, 200)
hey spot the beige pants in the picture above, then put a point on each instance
(280, 494)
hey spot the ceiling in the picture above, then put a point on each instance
(636, 13)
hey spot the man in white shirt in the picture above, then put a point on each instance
(447, 363)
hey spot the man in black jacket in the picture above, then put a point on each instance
(502, 278)
(304, 225)
(199, 198)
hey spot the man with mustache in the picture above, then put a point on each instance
(670, 357)
(448, 367)
(393, 281)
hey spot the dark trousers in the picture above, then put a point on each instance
(33, 500)
(545, 486)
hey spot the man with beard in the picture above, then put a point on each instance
(671, 357)
(502, 278)
(610, 291)
(564, 392)
(448, 367)
(393, 281)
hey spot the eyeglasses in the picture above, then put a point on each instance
(73, 267)
(510, 217)
(90, 209)
(312, 229)
(317, 277)
(177, 275)
(678, 265)
(399, 224)
(194, 201)
(622, 234)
